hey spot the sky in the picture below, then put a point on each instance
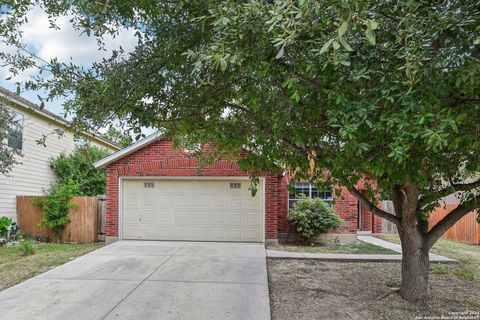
(64, 44)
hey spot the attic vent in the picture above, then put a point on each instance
(148, 185)
(235, 185)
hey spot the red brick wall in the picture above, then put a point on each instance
(346, 206)
(283, 205)
(159, 159)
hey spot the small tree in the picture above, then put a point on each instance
(312, 217)
(77, 168)
(55, 205)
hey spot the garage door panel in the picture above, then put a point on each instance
(157, 233)
(234, 202)
(202, 201)
(216, 218)
(131, 230)
(251, 235)
(183, 217)
(252, 219)
(201, 234)
(203, 210)
(218, 201)
(157, 200)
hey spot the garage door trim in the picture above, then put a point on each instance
(122, 178)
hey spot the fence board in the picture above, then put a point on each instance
(387, 226)
(466, 230)
(82, 228)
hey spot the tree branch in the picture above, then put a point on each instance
(454, 187)
(450, 219)
(374, 209)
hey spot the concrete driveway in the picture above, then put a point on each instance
(148, 280)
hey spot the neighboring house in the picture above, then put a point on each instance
(33, 173)
(157, 193)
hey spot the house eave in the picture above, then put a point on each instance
(102, 163)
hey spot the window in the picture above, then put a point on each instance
(235, 185)
(148, 185)
(15, 134)
(309, 190)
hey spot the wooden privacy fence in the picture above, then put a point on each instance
(466, 230)
(86, 220)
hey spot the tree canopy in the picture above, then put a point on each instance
(8, 156)
(338, 90)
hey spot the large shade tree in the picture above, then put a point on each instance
(339, 90)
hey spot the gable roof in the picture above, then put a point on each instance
(128, 150)
(31, 107)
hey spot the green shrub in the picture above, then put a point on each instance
(4, 224)
(312, 217)
(27, 247)
(78, 168)
(55, 204)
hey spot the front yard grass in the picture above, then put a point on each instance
(357, 247)
(16, 267)
(467, 254)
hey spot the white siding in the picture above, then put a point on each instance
(33, 173)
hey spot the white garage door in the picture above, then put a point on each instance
(193, 209)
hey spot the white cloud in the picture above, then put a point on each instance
(65, 43)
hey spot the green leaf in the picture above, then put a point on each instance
(343, 28)
(372, 25)
(223, 65)
(326, 46)
(336, 45)
(300, 3)
(280, 52)
(370, 35)
(345, 44)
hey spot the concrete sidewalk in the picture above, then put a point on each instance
(398, 248)
(355, 257)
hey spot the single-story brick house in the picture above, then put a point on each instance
(157, 193)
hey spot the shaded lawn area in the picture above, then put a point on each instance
(312, 289)
(357, 247)
(16, 267)
(467, 254)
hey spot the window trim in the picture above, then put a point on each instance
(18, 129)
(292, 201)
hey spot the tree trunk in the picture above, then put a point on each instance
(415, 260)
(415, 267)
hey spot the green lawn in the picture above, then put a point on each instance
(357, 247)
(16, 267)
(467, 254)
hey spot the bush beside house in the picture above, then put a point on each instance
(312, 217)
(76, 176)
